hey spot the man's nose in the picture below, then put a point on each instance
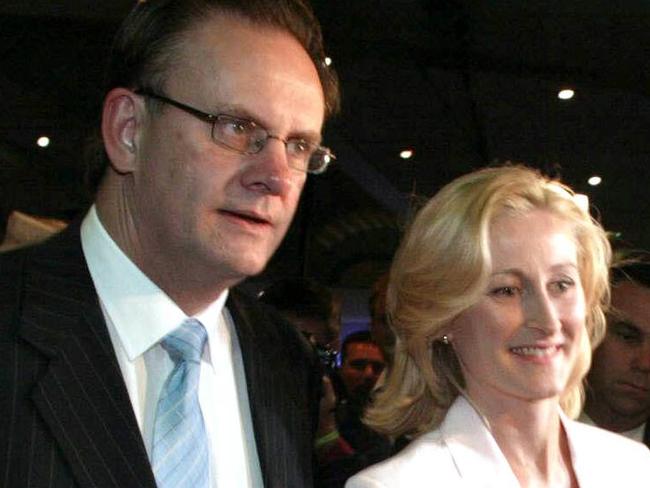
(268, 171)
(642, 357)
(369, 370)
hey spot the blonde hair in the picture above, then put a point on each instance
(441, 269)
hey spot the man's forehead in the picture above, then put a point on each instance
(631, 302)
(365, 349)
(228, 63)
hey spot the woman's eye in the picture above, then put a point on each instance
(563, 285)
(505, 291)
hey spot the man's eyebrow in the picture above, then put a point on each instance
(625, 325)
(309, 136)
(314, 137)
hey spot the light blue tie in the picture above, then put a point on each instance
(180, 444)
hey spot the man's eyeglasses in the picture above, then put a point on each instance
(248, 137)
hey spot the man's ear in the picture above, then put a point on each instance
(121, 117)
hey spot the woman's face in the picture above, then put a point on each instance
(522, 339)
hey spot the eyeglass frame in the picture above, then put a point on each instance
(214, 118)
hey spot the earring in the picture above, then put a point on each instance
(445, 340)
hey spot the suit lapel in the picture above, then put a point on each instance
(257, 373)
(277, 390)
(82, 396)
(476, 453)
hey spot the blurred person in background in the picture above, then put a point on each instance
(618, 383)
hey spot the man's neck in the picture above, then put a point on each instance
(606, 418)
(170, 275)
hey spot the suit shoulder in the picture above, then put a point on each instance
(589, 434)
(268, 325)
(602, 449)
(411, 467)
(11, 264)
(11, 278)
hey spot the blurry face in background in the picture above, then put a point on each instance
(522, 339)
(619, 379)
(360, 369)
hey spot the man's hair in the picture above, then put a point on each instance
(635, 270)
(149, 41)
(362, 336)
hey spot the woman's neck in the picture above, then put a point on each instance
(531, 437)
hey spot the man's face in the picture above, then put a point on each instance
(206, 212)
(619, 379)
(361, 368)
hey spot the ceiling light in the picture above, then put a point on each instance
(43, 141)
(566, 94)
(406, 154)
(595, 180)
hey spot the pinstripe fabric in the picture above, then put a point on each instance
(66, 413)
(66, 419)
(180, 443)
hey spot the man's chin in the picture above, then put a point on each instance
(361, 397)
(244, 265)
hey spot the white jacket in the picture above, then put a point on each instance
(463, 453)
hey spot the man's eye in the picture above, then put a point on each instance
(236, 127)
(300, 146)
(626, 332)
(359, 365)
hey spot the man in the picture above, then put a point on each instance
(361, 364)
(618, 392)
(114, 335)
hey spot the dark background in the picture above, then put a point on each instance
(465, 84)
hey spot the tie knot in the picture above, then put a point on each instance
(186, 343)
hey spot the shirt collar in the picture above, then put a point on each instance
(140, 311)
(474, 449)
(635, 434)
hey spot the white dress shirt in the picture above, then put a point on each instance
(635, 434)
(462, 453)
(138, 316)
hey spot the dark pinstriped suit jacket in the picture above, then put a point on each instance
(66, 416)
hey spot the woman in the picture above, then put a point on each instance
(496, 296)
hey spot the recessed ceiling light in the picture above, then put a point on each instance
(406, 154)
(566, 94)
(43, 141)
(595, 180)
